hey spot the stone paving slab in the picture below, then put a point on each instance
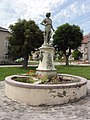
(11, 110)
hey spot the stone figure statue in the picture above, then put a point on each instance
(47, 22)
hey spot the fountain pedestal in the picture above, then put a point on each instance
(46, 64)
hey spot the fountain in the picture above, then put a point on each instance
(69, 88)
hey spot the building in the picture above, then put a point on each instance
(4, 33)
(85, 47)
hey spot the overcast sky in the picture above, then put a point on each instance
(71, 11)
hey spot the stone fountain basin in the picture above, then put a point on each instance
(45, 94)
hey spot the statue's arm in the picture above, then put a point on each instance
(52, 27)
(43, 22)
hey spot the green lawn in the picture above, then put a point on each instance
(83, 71)
(33, 62)
(74, 70)
(6, 71)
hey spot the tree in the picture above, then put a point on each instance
(25, 37)
(66, 38)
(76, 54)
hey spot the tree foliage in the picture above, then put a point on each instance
(66, 38)
(76, 54)
(25, 37)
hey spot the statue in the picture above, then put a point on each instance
(47, 22)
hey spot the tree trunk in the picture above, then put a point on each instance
(25, 62)
(67, 61)
(67, 55)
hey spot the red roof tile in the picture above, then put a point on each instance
(86, 39)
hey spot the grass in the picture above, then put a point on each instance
(83, 71)
(6, 71)
(33, 62)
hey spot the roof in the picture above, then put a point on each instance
(3, 29)
(86, 39)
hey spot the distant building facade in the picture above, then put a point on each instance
(85, 48)
(4, 33)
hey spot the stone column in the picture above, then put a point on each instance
(46, 64)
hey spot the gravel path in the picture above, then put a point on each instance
(11, 110)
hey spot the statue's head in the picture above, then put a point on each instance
(48, 14)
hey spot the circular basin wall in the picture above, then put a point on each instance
(45, 94)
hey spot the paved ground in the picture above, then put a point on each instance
(11, 110)
(55, 63)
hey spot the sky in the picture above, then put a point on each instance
(75, 12)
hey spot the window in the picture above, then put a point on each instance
(5, 55)
(6, 43)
